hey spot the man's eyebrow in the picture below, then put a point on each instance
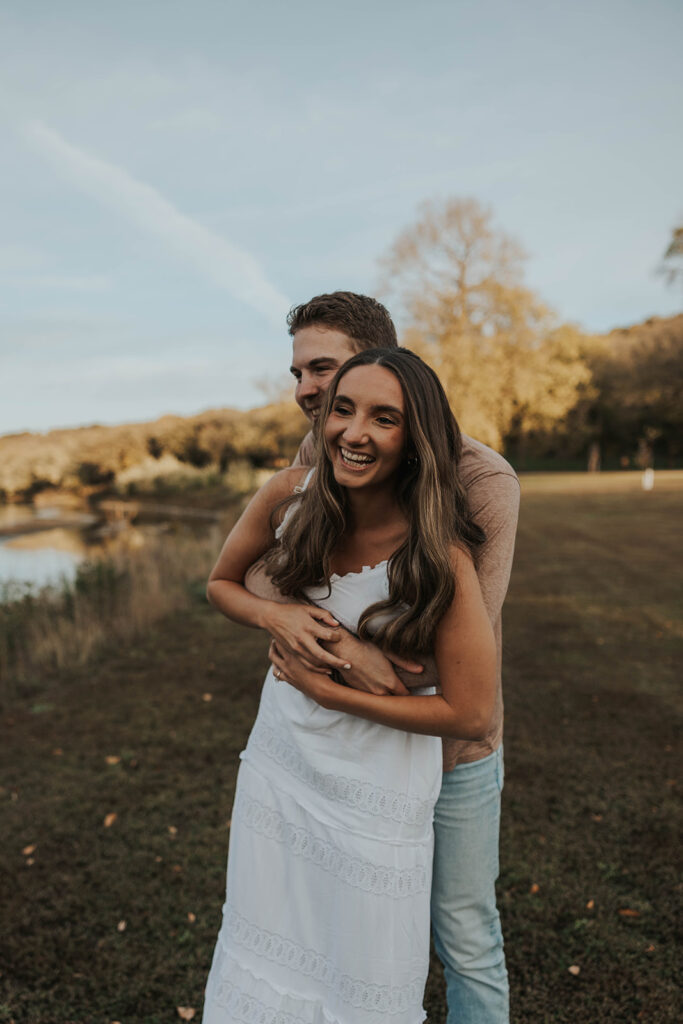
(315, 363)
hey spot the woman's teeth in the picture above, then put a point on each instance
(355, 458)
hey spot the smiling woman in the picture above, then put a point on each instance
(326, 916)
(363, 438)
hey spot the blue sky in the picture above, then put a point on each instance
(174, 175)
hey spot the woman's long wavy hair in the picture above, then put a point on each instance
(429, 493)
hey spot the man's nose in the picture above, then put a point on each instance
(307, 386)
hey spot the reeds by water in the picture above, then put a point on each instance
(111, 600)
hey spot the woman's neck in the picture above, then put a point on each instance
(370, 509)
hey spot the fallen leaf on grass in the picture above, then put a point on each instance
(228, 823)
(28, 850)
(596, 817)
(535, 888)
(650, 949)
(158, 859)
(590, 904)
(574, 969)
(191, 917)
(172, 830)
(112, 759)
(185, 1012)
(57, 752)
(109, 819)
(177, 867)
(627, 912)
(29, 861)
(121, 926)
(207, 697)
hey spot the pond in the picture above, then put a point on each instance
(44, 546)
(42, 555)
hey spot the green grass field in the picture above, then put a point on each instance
(114, 919)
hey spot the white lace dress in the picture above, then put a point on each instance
(326, 917)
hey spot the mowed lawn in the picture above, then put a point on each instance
(117, 784)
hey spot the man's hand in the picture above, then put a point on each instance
(372, 670)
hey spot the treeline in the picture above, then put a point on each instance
(517, 377)
(613, 399)
(134, 458)
(629, 407)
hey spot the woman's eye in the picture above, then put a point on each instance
(386, 421)
(342, 410)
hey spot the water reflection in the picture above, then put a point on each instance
(40, 559)
(47, 557)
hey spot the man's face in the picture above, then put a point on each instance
(317, 354)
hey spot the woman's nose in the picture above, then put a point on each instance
(355, 431)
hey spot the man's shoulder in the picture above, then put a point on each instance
(478, 462)
(306, 453)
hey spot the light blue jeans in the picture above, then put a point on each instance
(465, 921)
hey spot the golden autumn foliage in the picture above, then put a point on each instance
(507, 364)
(517, 378)
(135, 455)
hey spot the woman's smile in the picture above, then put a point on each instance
(357, 461)
(365, 428)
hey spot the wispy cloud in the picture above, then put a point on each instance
(62, 282)
(227, 265)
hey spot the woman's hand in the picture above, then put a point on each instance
(288, 668)
(298, 628)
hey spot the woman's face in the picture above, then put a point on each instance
(365, 432)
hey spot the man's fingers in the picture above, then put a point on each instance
(409, 666)
(322, 616)
(331, 636)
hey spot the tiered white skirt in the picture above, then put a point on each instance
(326, 918)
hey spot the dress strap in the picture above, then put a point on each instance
(299, 489)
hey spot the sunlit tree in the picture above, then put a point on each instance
(507, 364)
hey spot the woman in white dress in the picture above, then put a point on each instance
(326, 918)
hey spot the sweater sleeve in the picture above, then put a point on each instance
(306, 454)
(494, 503)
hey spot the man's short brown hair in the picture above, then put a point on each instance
(361, 318)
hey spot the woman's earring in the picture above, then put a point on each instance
(412, 460)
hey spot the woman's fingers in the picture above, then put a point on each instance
(312, 650)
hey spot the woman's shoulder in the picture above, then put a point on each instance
(284, 482)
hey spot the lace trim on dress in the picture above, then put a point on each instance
(366, 569)
(373, 800)
(396, 883)
(245, 1009)
(360, 994)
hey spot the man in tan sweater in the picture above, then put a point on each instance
(326, 332)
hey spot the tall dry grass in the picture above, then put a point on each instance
(112, 600)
